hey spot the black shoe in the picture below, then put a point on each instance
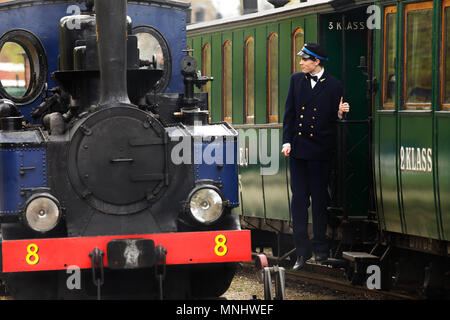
(300, 263)
(321, 256)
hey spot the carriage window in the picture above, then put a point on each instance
(418, 58)
(445, 54)
(23, 66)
(153, 48)
(298, 40)
(206, 71)
(249, 80)
(272, 79)
(227, 80)
(14, 69)
(390, 54)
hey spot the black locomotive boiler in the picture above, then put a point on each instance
(108, 185)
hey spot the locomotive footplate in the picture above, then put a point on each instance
(131, 253)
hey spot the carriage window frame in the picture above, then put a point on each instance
(444, 60)
(271, 116)
(227, 81)
(422, 6)
(163, 83)
(249, 76)
(206, 71)
(294, 57)
(37, 57)
(387, 11)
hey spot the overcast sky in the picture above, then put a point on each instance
(231, 8)
(228, 8)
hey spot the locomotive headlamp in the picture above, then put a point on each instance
(206, 204)
(42, 212)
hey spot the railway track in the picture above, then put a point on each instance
(320, 276)
(333, 278)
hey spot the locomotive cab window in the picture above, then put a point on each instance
(23, 66)
(390, 54)
(445, 63)
(418, 55)
(14, 69)
(153, 47)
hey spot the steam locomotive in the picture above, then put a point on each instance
(112, 183)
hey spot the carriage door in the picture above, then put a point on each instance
(346, 39)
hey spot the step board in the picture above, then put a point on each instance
(335, 263)
(359, 256)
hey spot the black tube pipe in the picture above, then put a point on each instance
(111, 18)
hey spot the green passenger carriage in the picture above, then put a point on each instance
(390, 183)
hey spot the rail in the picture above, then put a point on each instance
(334, 279)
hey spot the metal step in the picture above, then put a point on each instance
(355, 256)
(335, 263)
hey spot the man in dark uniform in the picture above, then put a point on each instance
(313, 105)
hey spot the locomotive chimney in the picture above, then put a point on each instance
(111, 18)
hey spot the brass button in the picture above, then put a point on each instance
(301, 117)
(303, 108)
(315, 109)
(299, 133)
(300, 124)
(311, 135)
(312, 127)
(314, 118)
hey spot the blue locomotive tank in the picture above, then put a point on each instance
(23, 168)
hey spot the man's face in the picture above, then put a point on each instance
(309, 65)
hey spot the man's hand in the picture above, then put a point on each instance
(343, 107)
(286, 150)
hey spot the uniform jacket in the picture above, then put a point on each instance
(310, 116)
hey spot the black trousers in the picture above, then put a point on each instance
(309, 179)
